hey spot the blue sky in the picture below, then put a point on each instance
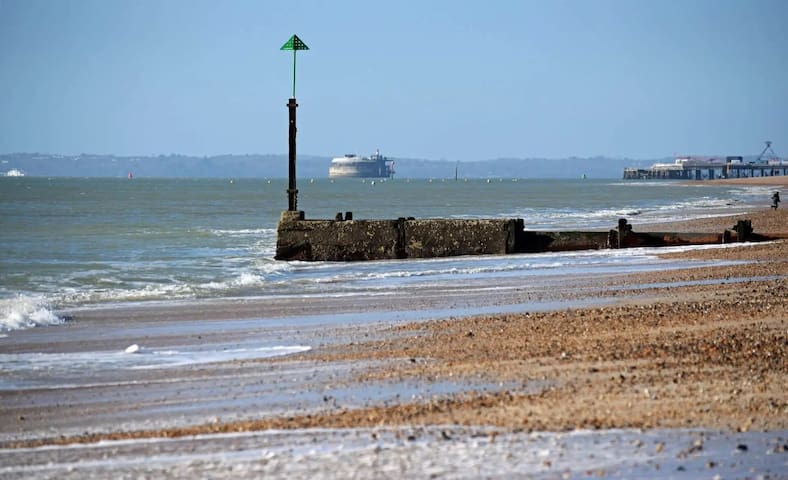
(425, 79)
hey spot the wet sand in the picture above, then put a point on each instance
(698, 348)
(414, 452)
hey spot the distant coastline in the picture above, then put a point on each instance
(271, 166)
(309, 166)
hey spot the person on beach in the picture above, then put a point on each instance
(775, 200)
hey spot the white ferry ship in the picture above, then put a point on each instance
(354, 166)
(15, 172)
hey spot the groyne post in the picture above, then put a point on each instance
(624, 231)
(743, 229)
(292, 191)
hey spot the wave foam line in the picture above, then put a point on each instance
(25, 311)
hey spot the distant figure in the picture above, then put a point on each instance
(775, 200)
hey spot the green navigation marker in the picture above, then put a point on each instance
(294, 44)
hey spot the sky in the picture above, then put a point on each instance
(453, 80)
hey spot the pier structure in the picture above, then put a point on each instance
(732, 167)
(767, 164)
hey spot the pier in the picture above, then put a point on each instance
(708, 170)
(767, 164)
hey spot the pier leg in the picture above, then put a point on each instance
(292, 192)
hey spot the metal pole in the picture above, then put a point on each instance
(293, 44)
(292, 192)
(294, 70)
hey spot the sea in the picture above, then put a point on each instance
(73, 243)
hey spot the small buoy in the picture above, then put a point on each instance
(133, 348)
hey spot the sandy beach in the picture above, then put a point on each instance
(680, 352)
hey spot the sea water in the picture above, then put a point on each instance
(78, 242)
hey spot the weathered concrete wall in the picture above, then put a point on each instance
(343, 240)
(667, 239)
(536, 241)
(347, 240)
(332, 240)
(450, 237)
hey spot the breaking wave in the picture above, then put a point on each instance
(25, 311)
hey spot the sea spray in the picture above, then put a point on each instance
(25, 311)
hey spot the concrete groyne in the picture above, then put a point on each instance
(345, 239)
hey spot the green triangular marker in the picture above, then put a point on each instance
(294, 44)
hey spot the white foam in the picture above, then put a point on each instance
(51, 370)
(175, 358)
(73, 296)
(245, 232)
(753, 190)
(328, 277)
(26, 311)
(269, 267)
(245, 279)
(258, 276)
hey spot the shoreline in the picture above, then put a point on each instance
(662, 354)
(765, 221)
(776, 180)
